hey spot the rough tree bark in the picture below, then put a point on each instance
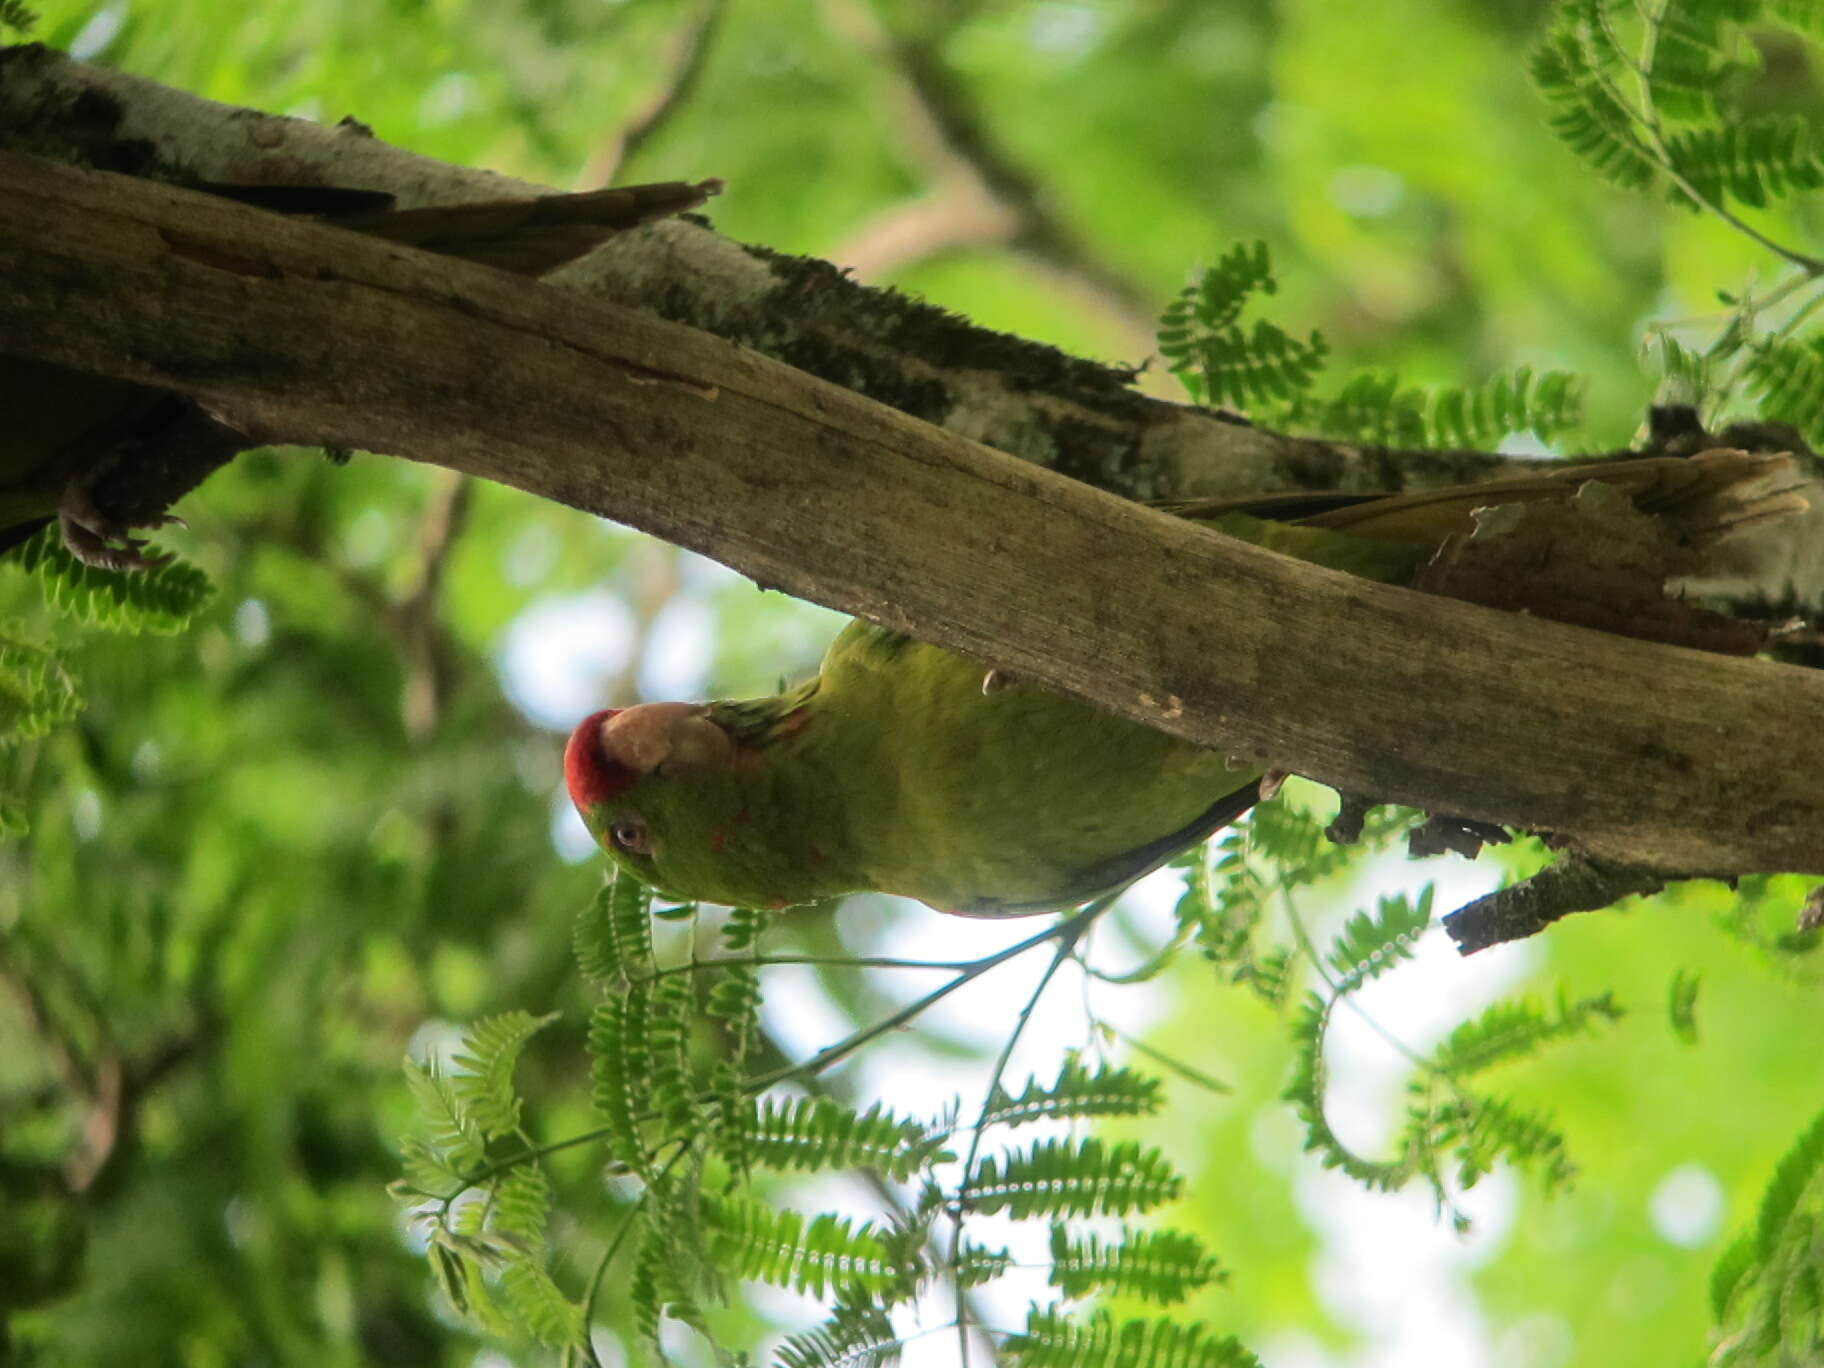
(1077, 417)
(1650, 755)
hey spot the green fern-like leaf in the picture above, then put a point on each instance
(1807, 16)
(1797, 1170)
(1161, 1265)
(734, 994)
(160, 601)
(1571, 69)
(1368, 946)
(853, 1337)
(1789, 378)
(676, 1210)
(734, 1000)
(1482, 1131)
(489, 1050)
(452, 1278)
(1279, 849)
(522, 1205)
(613, 935)
(1083, 1178)
(741, 931)
(1689, 61)
(1223, 926)
(620, 1051)
(671, 1082)
(460, 1146)
(1754, 160)
(655, 1290)
(1268, 364)
(1269, 976)
(977, 1264)
(1370, 407)
(1295, 842)
(428, 1171)
(1692, 375)
(1732, 1266)
(464, 1281)
(538, 1301)
(1077, 1093)
(1518, 400)
(1051, 1340)
(36, 691)
(1305, 1091)
(1202, 340)
(1515, 1029)
(1681, 1005)
(750, 1239)
(1215, 301)
(818, 1133)
(17, 16)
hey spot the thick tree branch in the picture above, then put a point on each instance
(1648, 755)
(1029, 400)
(1033, 401)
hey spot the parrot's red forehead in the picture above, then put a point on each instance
(590, 773)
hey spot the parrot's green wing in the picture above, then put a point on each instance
(1128, 866)
(1705, 496)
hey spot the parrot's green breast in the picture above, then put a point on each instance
(1015, 800)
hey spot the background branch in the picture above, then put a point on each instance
(689, 49)
(977, 196)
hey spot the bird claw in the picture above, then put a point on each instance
(99, 541)
(107, 550)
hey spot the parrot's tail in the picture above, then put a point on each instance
(1702, 498)
(1717, 493)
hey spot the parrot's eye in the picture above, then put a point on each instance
(630, 835)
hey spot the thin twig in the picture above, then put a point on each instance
(1067, 942)
(977, 195)
(686, 56)
(1069, 928)
(816, 1063)
(430, 673)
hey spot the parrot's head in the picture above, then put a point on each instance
(666, 792)
(627, 769)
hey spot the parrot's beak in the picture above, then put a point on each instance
(664, 738)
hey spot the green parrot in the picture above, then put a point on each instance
(903, 768)
(104, 457)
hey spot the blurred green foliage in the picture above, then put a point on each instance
(274, 853)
